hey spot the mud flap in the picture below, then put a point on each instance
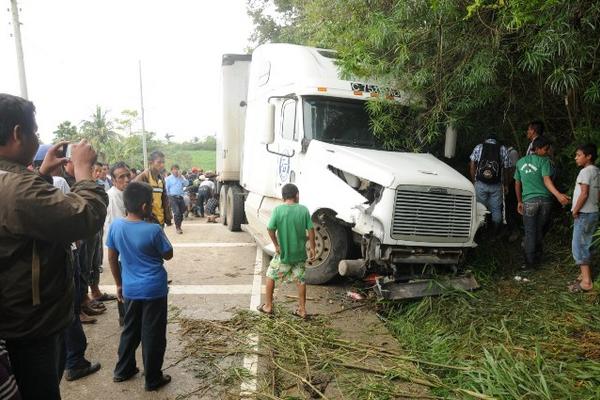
(391, 290)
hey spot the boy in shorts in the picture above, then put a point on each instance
(287, 228)
(141, 286)
(585, 213)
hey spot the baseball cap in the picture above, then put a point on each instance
(41, 153)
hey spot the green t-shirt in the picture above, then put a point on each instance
(530, 172)
(291, 222)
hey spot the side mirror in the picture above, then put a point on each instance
(450, 146)
(269, 130)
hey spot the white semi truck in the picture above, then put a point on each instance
(289, 117)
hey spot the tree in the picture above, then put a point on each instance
(99, 132)
(168, 137)
(66, 131)
(126, 121)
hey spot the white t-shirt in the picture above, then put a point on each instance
(589, 175)
(61, 184)
(208, 183)
(116, 207)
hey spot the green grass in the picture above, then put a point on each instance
(186, 159)
(519, 340)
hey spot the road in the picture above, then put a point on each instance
(214, 273)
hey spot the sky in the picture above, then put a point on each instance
(83, 53)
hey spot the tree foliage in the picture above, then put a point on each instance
(115, 139)
(482, 65)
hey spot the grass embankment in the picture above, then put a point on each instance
(186, 159)
(517, 340)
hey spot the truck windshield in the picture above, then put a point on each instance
(339, 121)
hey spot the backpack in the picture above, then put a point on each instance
(489, 167)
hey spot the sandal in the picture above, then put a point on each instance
(105, 297)
(577, 288)
(261, 309)
(296, 313)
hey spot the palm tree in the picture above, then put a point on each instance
(99, 132)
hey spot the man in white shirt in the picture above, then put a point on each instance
(121, 175)
(205, 191)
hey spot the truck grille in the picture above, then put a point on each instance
(424, 213)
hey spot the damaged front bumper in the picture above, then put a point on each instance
(388, 289)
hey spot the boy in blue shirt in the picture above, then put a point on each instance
(141, 286)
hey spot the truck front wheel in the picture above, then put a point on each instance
(235, 208)
(331, 247)
(223, 203)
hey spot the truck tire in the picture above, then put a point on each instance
(332, 247)
(223, 203)
(235, 208)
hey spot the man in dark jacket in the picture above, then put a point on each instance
(38, 223)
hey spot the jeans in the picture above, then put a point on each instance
(38, 365)
(536, 213)
(203, 196)
(75, 339)
(583, 231)
(490, 195)
(178, 207)
(145, 321)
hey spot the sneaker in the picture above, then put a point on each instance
(78, 373)
(164, 380)
(179, 231)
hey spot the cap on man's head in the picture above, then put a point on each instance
(492, 136)
(41, 153)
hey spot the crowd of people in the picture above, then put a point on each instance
(511, 186)
(59, 205)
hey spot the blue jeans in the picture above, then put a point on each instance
(536, 213)
(583, 231)
(491, 197)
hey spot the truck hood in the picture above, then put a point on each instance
(389, 168)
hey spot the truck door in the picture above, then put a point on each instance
(289, 143)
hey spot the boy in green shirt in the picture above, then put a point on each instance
(287, 229)
(534, 189)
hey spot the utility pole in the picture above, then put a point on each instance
(19, 45)
(144, 146)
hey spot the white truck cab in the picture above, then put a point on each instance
(288, 117)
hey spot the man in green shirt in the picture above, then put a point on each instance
(287, 228)
(534, 189)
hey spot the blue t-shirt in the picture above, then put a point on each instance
(175, 185)
(140, 246)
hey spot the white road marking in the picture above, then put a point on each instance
(184, 224)
(209, 245)
(201, 289)
(215, 245)
(248, 388)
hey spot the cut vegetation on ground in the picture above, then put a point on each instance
(524, 338)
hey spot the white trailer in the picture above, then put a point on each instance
(289, 117)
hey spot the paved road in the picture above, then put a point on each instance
(213, 273)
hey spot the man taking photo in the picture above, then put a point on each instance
(38, 223)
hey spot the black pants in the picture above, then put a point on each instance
(178, 207)
(203, 195)
(38, 365)
(75, 339)
(145, 321)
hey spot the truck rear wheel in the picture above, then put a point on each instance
(223, 203)
(235, 208)
(331, 247)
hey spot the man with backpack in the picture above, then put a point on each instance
(488, 162)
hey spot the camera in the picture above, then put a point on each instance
(66, 151)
